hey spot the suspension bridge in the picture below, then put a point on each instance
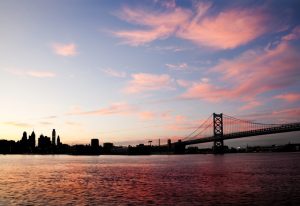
(220, 127)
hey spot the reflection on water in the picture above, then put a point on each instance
(233, 179)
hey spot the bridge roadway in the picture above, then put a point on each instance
(271, 130)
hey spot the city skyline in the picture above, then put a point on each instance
(132, 70)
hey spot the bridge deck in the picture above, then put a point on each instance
(272, 130)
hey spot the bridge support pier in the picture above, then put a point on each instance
(179, 147)
(218, 147)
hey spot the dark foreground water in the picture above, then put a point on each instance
(231, 179)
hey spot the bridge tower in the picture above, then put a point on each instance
(218, 133)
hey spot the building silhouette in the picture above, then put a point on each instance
(24, 137)
(44, 144)
(107, 147)
(53, 136)
(31, 142)
(95, 143)
(58, 141)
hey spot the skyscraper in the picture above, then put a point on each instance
(58, 141)
(32, 140)
(53, 136)
(24, 137)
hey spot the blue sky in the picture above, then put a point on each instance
(138, 70)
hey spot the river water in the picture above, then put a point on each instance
(231, 179)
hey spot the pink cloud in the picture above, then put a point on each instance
(64, 49)
(227, 30)
(287, 114)
(276, 116)
(252, 73)
(250, 105)
(114, 73)
(41, 74)
(166, 115)
(143, 82)
(146, 115)
(205, 91)
(180, 118)
(159, 25)
(289, 97)
(32, 73)
(120, 108)
(184, 83)
(294, 35)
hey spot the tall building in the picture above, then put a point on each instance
(31, 140)
(24, 137)
(53, 136)
(58, 141)
(95, 143)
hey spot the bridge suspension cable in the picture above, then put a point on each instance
(235, 125)
(232, 128)
(191, 135)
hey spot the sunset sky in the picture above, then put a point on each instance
(137, 70)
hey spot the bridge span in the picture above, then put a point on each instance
(223, 127)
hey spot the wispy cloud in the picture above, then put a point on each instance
(18, 124)
(45, 123)
(252, 73)
(120, 108)
(72, 123)
(184, 83)
(294, 35)
(31, 73)
(144, 82)
(177, 67)
(275, 116)
(169, 4)
(158, 25)
(169, 48)
(250, 105)
(147, 115)
(50, 117)
(40, 74)
(65, 49)
(289, 97)
(226, 29)
(114, 73)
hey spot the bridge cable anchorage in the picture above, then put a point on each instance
(190, 135)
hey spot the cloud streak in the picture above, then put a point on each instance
(32, 73)
(144, 82)
(227, 29)
(114, 73)
(65, 49)
(289, 97)
(18, 124)
(120, 108)
(177, 67)
(251, 74)
(157, 25)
